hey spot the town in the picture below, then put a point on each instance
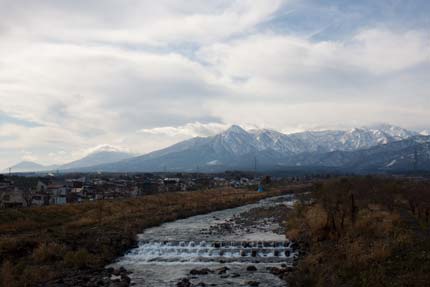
(56, 189)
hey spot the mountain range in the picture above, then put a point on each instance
(97, 157)
(367, 149)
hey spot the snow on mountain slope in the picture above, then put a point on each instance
(97, 157)
(322, 141)
(238, 148)
(235, 141)
(394, 132)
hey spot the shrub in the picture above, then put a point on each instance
(316, 220)
(7, 275)
(32, 275)
(78, 259)
(293, 234)
(48, 252)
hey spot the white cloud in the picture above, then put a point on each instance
(273, 64)
(106, 147)
(89, 73)
(28, 156)
(384, 51)
(195, 129)
(152, 23)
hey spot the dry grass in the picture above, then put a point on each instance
(48, 252)
(359, 232)
(316, 220)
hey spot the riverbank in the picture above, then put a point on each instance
(363, 231)
(50, 245)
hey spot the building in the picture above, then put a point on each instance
(57, 193)
(12, 198)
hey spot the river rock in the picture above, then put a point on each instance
(251, 268)
(184, 283)
(275, 270)
(204, 271)
(253, 283)
(125, 278)
(119, 284)
(222, 270)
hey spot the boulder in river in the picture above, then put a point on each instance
(184, 283)
(204, 271)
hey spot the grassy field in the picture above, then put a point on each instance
(40, 244)
(363, 231)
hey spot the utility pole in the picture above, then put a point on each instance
(10, 171)
(415, 159)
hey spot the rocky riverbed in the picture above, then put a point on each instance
(243, 246)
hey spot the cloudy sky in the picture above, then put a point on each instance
(140, 75)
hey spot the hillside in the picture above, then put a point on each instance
(269, 150)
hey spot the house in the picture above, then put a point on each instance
(235, 183)
(11, 198)
(57, 193)
(42, 184)
(150, 185)
(244, 181)
(172, 184)
(76, 187)
(40, 199)
(219, 182)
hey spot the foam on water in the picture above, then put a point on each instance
(203, 251)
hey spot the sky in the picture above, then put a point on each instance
(138, 75)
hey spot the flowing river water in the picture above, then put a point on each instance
(232, 247)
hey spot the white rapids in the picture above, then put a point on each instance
(231, 251)
(168, 253)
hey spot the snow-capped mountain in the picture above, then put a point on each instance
(101, 155)
(26, 166)
(408, 154)
(237, 148)
(394, 132)
(425, 133)
(237, 140)
(97, 157)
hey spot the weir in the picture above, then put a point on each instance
(213, 251)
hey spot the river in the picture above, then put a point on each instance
(232, 247)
